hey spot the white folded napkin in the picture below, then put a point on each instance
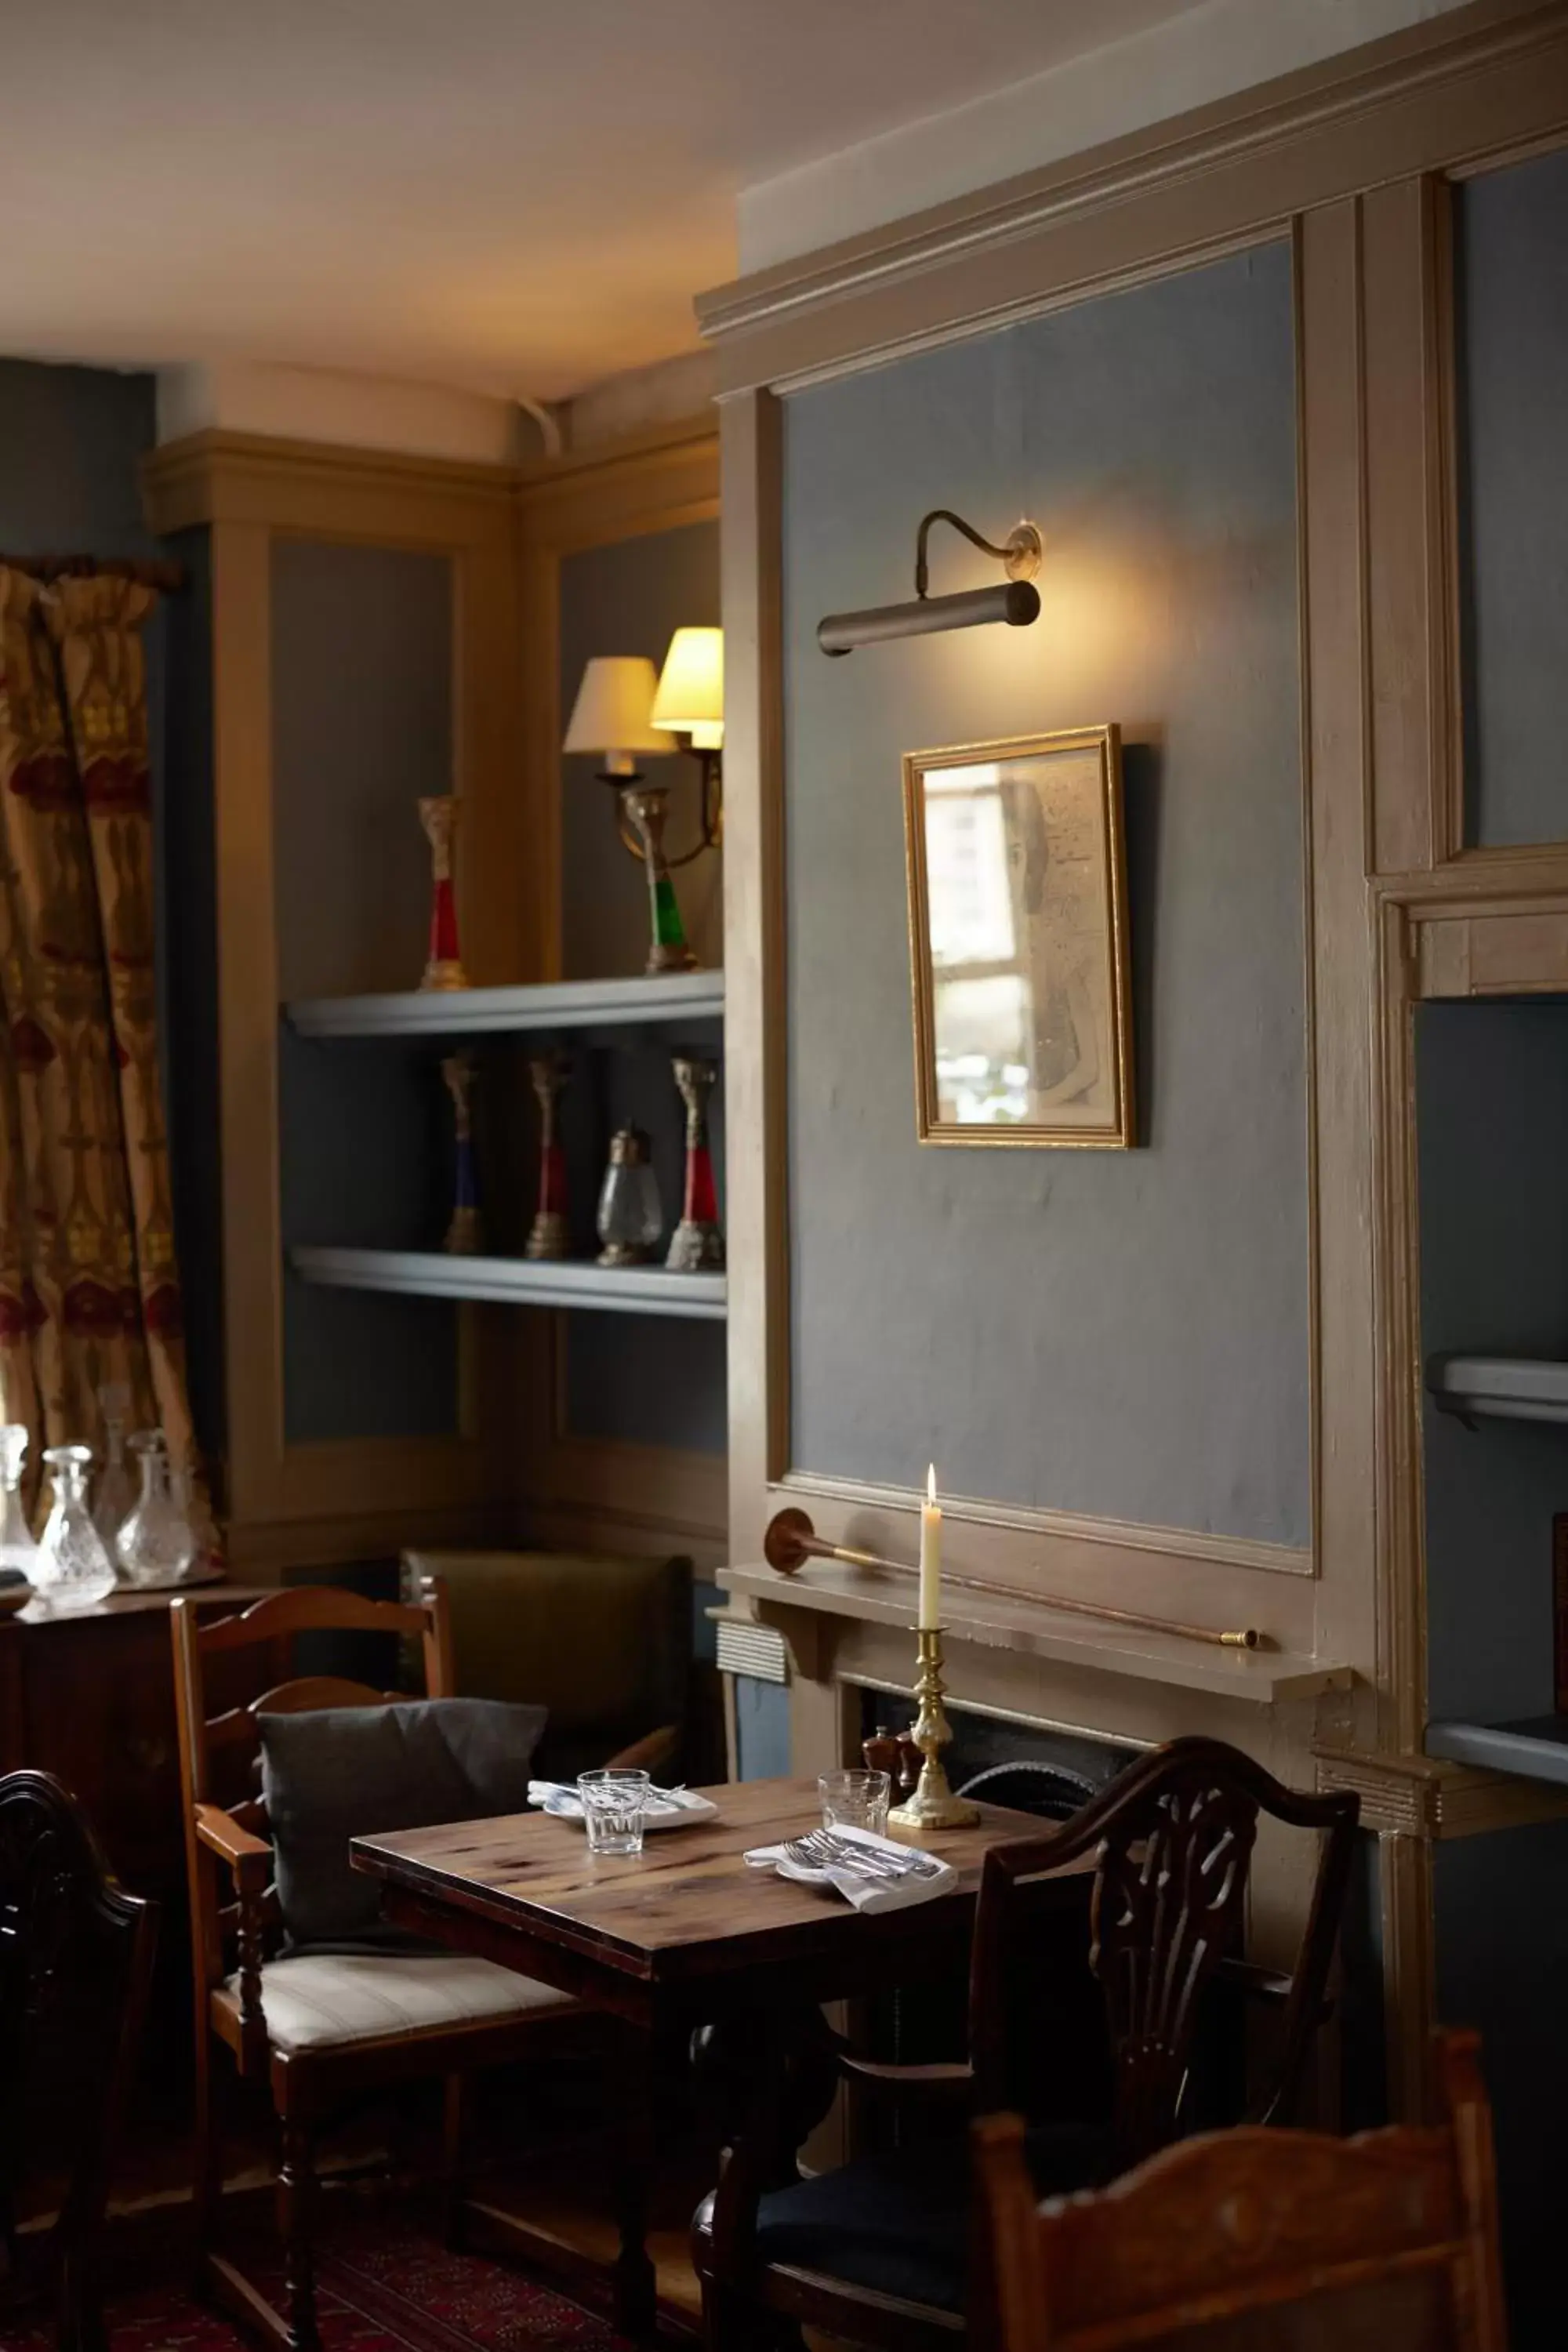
(666, 1809)
(866, 1891)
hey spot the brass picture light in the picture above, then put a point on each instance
(1017, 604)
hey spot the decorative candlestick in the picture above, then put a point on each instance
(444, 966)
(934, 1805)
(464, 1236)
(548, 1236)
(696, 1243)
(645, 807)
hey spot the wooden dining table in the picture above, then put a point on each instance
(682, 1936)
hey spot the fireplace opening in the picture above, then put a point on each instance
(1001, 1762)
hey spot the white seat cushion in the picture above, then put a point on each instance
(319, 1998)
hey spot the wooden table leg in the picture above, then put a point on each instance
(635, 2280)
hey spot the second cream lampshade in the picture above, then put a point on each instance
(690, 696)
(610, 717)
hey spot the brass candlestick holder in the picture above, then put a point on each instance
(934, 1805)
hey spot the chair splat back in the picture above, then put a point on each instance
(219, 1753)
(1175, 1835)
(1169, 1906)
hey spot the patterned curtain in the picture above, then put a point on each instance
(90, 1291)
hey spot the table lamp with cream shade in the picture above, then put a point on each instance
(610, 720)
(625, 713)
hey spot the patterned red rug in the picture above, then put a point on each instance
(388, 2289)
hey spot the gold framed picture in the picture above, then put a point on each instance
(1017, 875)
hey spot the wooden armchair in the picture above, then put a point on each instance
(75, 1957)
(877, 2251)
(317, 2028)
(1256, 2240)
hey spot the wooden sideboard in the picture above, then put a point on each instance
(90, 1697)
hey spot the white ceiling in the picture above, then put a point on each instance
(519, 197)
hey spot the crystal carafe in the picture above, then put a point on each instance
(156, 1543)
(72, 1569)
(18, 1552)
(114, 1489)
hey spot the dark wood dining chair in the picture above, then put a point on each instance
(316, 2028)
(76, 1958)
(877, 2251)
(1254, 2240)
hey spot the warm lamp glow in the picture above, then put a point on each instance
(690, 696)
(611, 716)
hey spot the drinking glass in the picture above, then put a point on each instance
(855, 1801)
(614, 1804)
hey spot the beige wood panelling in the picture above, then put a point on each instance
(754, 1067)
(298, 1504)
(1340, 944)
(505, 531)
(1485, 80)
(1353, 159)
(1495, 954)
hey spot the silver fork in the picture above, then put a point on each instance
(819, 1849)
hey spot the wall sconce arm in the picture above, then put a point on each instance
(1020, 554)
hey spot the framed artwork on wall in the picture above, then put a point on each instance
(1018, 878)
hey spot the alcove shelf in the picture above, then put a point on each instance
(1534, 1747)
(644, 1001)
(516, 1281)
(1500, 1388)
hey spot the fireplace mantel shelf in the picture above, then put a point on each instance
(1261, 1677)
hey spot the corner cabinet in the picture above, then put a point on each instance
(362, 630)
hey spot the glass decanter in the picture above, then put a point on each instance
(18, 1552)
(631, 1216)
(72, 1569)
(156, 1543)
(114, 1489)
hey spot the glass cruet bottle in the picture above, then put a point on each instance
(156, 1543)
(114, 1489)
(18, 1552)
(72, 1571)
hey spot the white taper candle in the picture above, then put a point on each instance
(930, 1556)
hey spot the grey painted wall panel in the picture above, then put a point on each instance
(361, 727)
(630, 598)
(1493, 1127)
(362, 696)
(1120, 1334)
(365, 1159)
(1512, 249)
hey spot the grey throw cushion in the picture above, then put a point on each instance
(337, 1773)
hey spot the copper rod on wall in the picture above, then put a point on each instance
(791, 1540)
(145, 574)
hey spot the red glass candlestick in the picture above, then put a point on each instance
(444, 966)
(548, 1236)
(697, 1243)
